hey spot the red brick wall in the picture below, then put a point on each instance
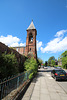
(31, 45)
(20, 58)
(4, 48)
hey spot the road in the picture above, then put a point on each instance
(63, 84)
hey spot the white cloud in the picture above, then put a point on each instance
(14, 41)
(22, 44)
(57, 44)
(60, 33)
(11, 41)
(39, 45)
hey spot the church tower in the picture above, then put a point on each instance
(31, 40)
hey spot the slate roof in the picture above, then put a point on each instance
(31, 26)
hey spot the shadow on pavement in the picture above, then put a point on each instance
(44, 70)
(39, 74)
(62, 81)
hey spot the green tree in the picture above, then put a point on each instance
(8, 65)
(43, 64)
(40, 61)
(64, 54)
(31, 64)
(64, 62)
(64, 59)
(50, 59)
(52, 63)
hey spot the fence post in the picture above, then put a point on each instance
(26, 75)
(0, 92)
(18, 82)
(1, 95)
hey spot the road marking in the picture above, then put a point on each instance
(50, 78)
(47, 75)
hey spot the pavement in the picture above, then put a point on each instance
(44, 87)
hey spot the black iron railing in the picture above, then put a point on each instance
(6, 86)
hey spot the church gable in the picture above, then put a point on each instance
(20, 49)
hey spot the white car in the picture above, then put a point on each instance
(45, 67)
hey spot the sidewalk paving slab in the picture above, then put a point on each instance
(45, 88)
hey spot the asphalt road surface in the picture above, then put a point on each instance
(62, 84)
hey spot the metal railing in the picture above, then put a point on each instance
(12, 83)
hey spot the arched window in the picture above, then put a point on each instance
(30, 37)
(30, 49)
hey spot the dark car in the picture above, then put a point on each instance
(39, 67)
(59, 74)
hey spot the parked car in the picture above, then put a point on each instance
(58, 67)
(59, 74)
(39, 67)
(45, 67)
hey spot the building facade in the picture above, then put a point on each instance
(30, 42)
(60, 62)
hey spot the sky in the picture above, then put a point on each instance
(49, 18)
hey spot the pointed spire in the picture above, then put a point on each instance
(31, 26)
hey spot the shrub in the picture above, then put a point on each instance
(31, 76)
(31, 64)
(8, 65)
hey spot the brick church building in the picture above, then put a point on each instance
(30, 42)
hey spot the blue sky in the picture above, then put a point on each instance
(49, 18)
